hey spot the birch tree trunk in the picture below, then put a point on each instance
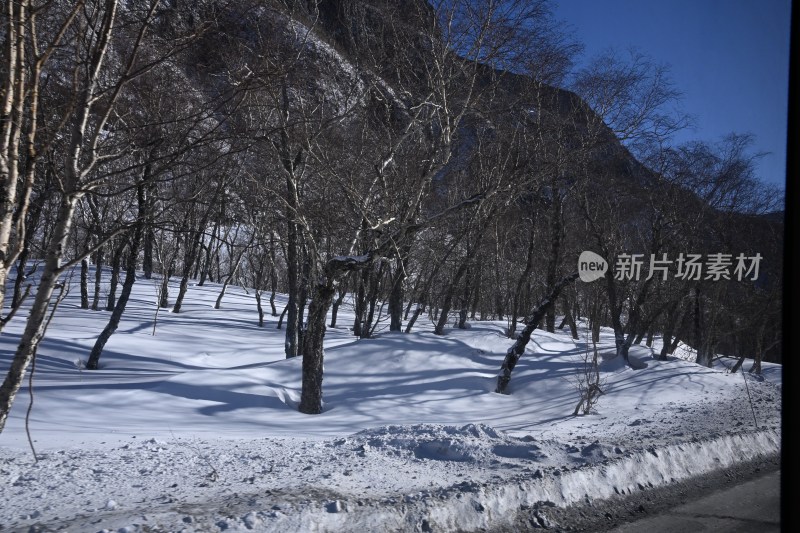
(116, 267)
(92, 104)
(192, 244)
(472, 249)
(555, 250)
(34, 328)
(359, 303)
(518, 348)
(397, 293)
(273, 274)
(98, 278)
(229, 278)
(84, 283)
(516, 300)
(119, 307)
(342, 291)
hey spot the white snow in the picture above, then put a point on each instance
(196, 428)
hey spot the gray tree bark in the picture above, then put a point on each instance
(342, 291)
(397, 293)
(324, 289)
(518, 348)
(516, 300)
(84, 283)
(34, 328)
(130, 277)
(116, 315)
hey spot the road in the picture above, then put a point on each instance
(752, 507)
(742, 497)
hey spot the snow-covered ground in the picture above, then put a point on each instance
(196, 427)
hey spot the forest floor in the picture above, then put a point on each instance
(191, 425)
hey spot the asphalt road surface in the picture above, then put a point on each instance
(743, 497)
(752, 507)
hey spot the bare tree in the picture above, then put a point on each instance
(531, 323)
(88, 34)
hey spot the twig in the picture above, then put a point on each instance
(214, 475)
(63, 291)
(750, 399)
(6, 319)
(747, 388)
(158, 306)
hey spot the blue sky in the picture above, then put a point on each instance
(729, 58)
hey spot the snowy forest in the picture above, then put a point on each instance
(368, 168)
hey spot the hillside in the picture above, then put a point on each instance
(300, 242)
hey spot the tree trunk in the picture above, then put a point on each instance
(702, 345)
(756, 367)
(98, 278)
(463, 312)
(273, 274)
(359, 304)
(418, 311)
(573, 327)
(414, 294)
(472, 250)
(147, 254)
(516, 303)
(518, 348)
(337, 303)
(119, 308)
(476, 294)
(280, 319)
(188, 260)
(33, 220)
(595, 322)
(303, 299)
(163, 292)
(85, 283)
(198, 263)
(291, 347)
(231, 275)
(260, 309)
(195, 239)
(130, 276)
(396, 299)
(206, 258)
(448, 297)
(148, 235)
(16, 299)
(33, 217)
(34, 327)
(372, 300)
(616, 318)
(313, 354)
(116, 266)
(424, 295)
(397, 294)
(555, 249)
(272, 301)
